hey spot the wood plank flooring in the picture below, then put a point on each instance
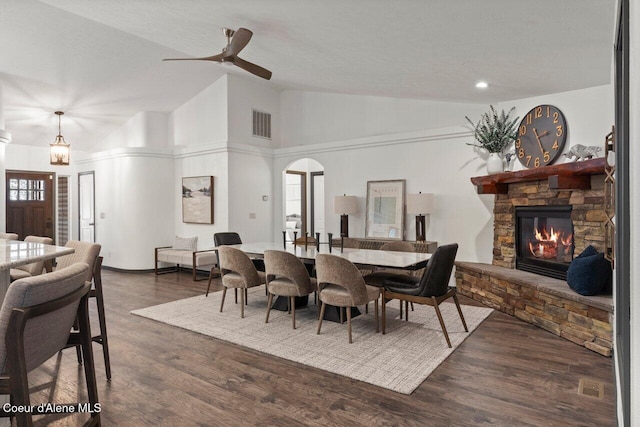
(506, 373)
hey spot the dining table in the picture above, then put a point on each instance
(14, 253)
(361, 257)
(370, 258)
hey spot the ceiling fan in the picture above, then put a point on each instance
(236, 41)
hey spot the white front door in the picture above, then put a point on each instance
(86, 203)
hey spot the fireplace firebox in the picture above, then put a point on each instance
(544, 240)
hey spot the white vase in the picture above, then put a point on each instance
(495, 163)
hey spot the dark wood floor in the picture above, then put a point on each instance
(506, 373)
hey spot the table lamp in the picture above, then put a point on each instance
(345, 205)
(420, 204)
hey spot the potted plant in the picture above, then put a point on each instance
(494, 132)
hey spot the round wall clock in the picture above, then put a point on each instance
(541, 136)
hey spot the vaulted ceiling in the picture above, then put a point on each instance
(101, 61)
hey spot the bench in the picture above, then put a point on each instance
(187, 258)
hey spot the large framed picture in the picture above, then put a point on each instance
(385, 210)
(197, 199)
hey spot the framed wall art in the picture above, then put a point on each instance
(385, 210)
(197, 200)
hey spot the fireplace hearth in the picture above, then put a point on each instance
(544, 240)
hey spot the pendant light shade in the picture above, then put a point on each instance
(59, 149)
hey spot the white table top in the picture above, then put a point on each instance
(14, 253)
(392, 259)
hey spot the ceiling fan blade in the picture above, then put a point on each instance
(252, 68)
(217, 58)
(238, 41)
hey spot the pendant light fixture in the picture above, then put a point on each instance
(59, 149)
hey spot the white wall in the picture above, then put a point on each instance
(209, 161)
(316, 117)
(435, 161)
(203, 119)
(250, 178)
(134, 204)
(145, 129)
(245, 94)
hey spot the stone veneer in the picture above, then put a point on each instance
(542, 301)
(588, 215)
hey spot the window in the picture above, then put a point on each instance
(26, 189)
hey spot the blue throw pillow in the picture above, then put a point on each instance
(589, 273)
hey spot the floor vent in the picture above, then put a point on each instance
(591, 388)
(261, 124)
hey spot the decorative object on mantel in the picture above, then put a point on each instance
(541, 136)
(59, 155)
(581, 152)
(345, 205)
(385, 210)
(494, 133)
(420, 204)
(609, 195)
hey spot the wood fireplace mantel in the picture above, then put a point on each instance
(572, 175)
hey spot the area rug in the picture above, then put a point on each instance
(400, 360)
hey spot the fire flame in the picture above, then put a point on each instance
(551, 244)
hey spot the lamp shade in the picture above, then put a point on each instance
(418, 204)
(345, 204)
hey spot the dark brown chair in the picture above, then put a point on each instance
(219, 239)
(238, 272)
(379, 276)
(431, 289)
(340, 284)
(35, 322)
(287, 276)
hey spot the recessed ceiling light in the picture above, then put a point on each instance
(482, 85)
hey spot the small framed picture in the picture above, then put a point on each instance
(197, 200)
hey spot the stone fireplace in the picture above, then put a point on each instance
(527, 276)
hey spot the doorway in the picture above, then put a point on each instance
(303, 197)
(30, 204)
(86, 206)
(296, 203)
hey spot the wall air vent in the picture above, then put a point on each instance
(261, 124)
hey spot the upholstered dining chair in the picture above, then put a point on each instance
(89, 253)
(287, 276)
(35, 268)
(9, 236)
(35, 321)
(431, 289)
(340, 284)
(238, 272)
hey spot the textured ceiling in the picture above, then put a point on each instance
(100, 61)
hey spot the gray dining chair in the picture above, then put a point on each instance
(340, 284)
(238, 272)
(35, 323)
(288, 277)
